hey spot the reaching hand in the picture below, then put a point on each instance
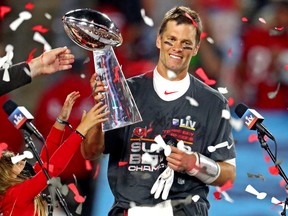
(68, 104)
(51, 61)
(93, 117)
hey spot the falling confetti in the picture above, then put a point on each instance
(203, 35)
(122, 163)
(252, 138)
(273, 94)
(29, 6)
(171, 74)
(31, 56)
(147, 20)
(244, 19)
(88, 165)
(210, 40)
(273, 170)
(40, 29)
(48, 16)
(217, 195)
(279, 28)
(222, 90)
(24, 15)
(230, 101)
(192, 101)
(257, 176)
(237, 124)
(260, 195)
(220, 145)
(39, 38)
(226, 114)
(17, 158)
(262, 20)
(78, 198)
(201, 73)
(4, 10)
(229, 52)
(3, 146)
(193, 21)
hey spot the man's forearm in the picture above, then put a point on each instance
(93, 145)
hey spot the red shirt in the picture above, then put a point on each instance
(19, 199)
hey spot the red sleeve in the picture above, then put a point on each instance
(53, 141)
(59, 160)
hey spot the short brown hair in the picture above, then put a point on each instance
(182, 15)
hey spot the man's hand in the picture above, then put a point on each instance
(51, 61)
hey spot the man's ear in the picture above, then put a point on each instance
(195, 51)
(158, 41)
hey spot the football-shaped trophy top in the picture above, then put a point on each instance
(91, 29)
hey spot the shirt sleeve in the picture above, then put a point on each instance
(53, 141)
(58, 162)
(18, 77)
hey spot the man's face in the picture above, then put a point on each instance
(177, 45)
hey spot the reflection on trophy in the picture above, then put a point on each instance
(96, 32)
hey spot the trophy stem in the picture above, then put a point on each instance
(120, 102)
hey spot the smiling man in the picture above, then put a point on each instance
(141, 168)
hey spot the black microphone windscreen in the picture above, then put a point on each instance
(240, 110)
(9, 106)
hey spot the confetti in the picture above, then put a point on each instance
(237, 124)
(193, 21)
(286, 67)
(279, 28)
(252, 138)
(147, 20)
(210, 40)
(262, 20)
(48, 16)
(39, 38)
(203, 35)
(192, 101)
(230, 101)
(220, 145)
(29, 6)
(277, 202)
(87, 60)
(250, 189)
(88, 165)
(273, 170)
(229, 52)
(226, 114)
(96, 171)
(3, 146)
(273, 94)
(18, 158)
(78, 198)
(24, 15)
(40, 29)
(4, 10)
(171, 74)
(217, 195)
(201, 73)
(257, 176)
(122, 163)
(244, 19)
(222, 90)
(31, 56)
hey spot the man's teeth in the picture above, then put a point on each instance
(176, 57)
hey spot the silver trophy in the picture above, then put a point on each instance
(95, 31)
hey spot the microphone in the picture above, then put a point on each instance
(21, 118)
(252, 119)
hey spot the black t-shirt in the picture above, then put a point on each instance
(198, 126)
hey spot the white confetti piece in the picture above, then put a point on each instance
(223, 90)
(226, 114)
(171, 74)
(237, 124)
(220, 145)
(48, 16)
(24, 15)
(262, 20)
(210, 40)
(252, 190)
(192, 101)
(147, 20)
(18, 158)
(39, 38)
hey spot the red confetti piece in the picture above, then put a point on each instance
(279, 28)
(4, 10)
(286, 67)
(244, 19)
(273, 170)
(228, 185)
(282, 183)
(230, 101)
(29, 6)
(40, 29)
(96, 171)
(262, 20)
(252, 138)
(78, 198)
(122, 163)
(229, 52)
(88, 165)
(30, 57)
(203, 35)
(217, 195)
(3, 146)
(267, 158)
(193, 22)
(201, 73)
